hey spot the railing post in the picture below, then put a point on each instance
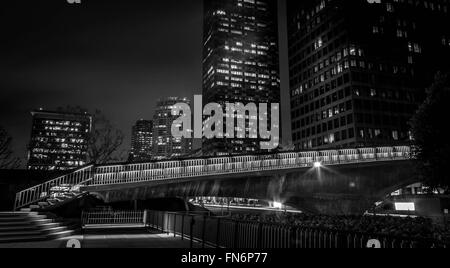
(218, 233)
(260, 235)
(293, 238)
(182, 227)
(175, 225)
(192, 231)
(236, 233)
(145, 217)
(203, 231)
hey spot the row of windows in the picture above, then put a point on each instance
(441, 6)
(331, 138)
(343, 121)
(302, 62)
(348, 134)
(324, 114)
(333, 84)
(381, 119)
(357, 67)
(393, 107)
(323, 127)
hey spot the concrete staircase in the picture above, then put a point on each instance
(25, 226)
(54, 192)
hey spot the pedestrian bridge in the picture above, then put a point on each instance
(287, 176)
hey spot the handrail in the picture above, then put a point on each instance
(197, 167)
(231, 233)
(171, 170)
(40, 192)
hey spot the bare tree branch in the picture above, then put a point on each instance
(105, 140)
(7, 160)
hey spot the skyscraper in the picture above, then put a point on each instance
(142, 141)
(165, 146)
(240, 60)
(359, 69)
(59, 141)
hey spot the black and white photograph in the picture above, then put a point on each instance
(231, 127)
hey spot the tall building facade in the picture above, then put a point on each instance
(142, 141)
(59, 141)
(165, 146)
(240, 61)
(359, 69)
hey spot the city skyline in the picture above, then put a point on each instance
(85, 65)
(225, 124)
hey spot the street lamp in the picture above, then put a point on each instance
(317, 164)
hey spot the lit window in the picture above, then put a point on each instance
(405, 207)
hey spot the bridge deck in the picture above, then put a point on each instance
(72, 184)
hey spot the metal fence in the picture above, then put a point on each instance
(227, 233)
(109, 218)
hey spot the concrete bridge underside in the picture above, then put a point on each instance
(340, 189)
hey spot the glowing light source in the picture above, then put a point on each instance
(277, 205)
(317, 164)
(405, 207)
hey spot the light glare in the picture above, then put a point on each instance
(277, 205)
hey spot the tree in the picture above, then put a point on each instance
(432, 147)
(105, 139)
(7, 160)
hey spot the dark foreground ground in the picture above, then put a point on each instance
(113, 239)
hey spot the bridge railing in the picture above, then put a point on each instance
(170, 170)
(227, 233)
(67, 183)
(135, 173)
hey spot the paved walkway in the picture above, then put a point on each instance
(113, 239)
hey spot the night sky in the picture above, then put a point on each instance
(118, 56)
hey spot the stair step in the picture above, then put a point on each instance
(49, 225)
(19, 239)
(28, 221)
(22, 223)
(41, 221)
(26, 226)
(21, 233)
(23, 218)
(61, 234)
(14, 219)
(18, 213)
(18, 228)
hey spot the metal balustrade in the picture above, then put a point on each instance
(171, 170)
(113, 218)
(227, 233)
(213, 166)
(69, 183)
